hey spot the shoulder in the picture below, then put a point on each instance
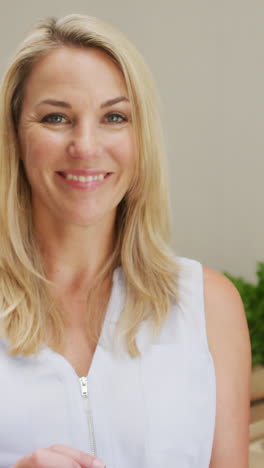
(223, 305)
(219, 291)
(228, 341)
(225, 317)
(224, 310)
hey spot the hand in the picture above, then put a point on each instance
(59, 456)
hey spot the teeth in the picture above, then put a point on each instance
(81, 178)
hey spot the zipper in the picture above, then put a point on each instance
(88, 412)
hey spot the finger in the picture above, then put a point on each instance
(44, 458)
(83, 459)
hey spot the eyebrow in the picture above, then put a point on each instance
(110, 102)
(54, 102)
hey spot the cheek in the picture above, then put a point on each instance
(125, 153)
(37, 151)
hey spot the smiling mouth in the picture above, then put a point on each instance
(84, 179)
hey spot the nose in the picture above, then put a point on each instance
(84, 143)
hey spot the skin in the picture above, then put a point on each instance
(73, 226)
(229, 344)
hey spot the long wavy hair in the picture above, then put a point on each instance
(27, 312)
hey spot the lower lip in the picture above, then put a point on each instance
(88, 186)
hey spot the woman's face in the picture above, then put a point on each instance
(76, 137)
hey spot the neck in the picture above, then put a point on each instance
(74, 255)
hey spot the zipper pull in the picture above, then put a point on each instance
(89, 416)
(84, 390)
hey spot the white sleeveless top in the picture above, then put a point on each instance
(154, 411)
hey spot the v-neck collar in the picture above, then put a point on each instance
(112, 314)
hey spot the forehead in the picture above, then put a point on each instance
(69, 69)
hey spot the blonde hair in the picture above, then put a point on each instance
(142, 225)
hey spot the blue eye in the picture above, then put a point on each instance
(116, 118)
(54, 118)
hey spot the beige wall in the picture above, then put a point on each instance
(208, 59)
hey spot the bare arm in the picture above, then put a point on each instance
(229, 344)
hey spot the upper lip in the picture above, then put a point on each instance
(84, 172)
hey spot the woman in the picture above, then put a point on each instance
(111, 347)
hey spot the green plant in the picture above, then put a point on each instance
(253, 298)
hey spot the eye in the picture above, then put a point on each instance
(54, 118)
(115, 118)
